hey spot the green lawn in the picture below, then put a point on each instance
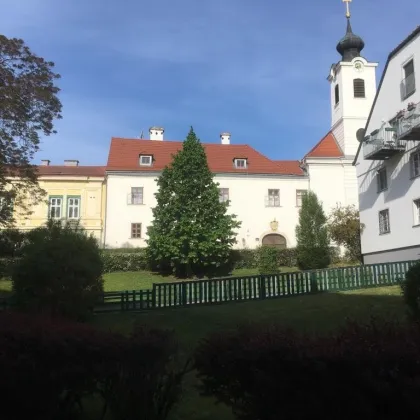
(315, 313)
(136, 280)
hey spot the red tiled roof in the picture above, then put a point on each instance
(291, 167)
(52, 170)
(124, 156)
(326, 147)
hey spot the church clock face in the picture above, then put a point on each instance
(358, 66)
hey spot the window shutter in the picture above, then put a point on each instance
(359, 88)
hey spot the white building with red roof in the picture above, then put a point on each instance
(265, 194)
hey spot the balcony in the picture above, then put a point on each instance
(408, 127)
(382, 144)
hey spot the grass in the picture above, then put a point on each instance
(136, 280)
(316, 313)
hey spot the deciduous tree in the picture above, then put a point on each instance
(28, 106)
(191, 233)
(345, 230)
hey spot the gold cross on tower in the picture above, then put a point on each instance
(347, 7)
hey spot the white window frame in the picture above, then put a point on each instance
(137, 198)
(145, 160)
(416, 212)
(51, 206)
(299, 197)
(382, 180)
(404, 77)
(415, 166)
(273, 197)
(241, 163)
(223, 195)
(73, 206)
(384, 224)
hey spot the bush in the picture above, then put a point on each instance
(124, 261)
(267, 372)
(411, 291)
(53, 370)
(60, 272)
(267, 260)
(11, 242)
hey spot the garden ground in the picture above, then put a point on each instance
(315, 313)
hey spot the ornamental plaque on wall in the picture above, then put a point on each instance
(274, 225)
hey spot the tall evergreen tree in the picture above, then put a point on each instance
(312, 234)
(191, 234)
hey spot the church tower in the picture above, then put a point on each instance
(353, 89)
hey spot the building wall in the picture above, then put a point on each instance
(92, 192)
(247, 195)
(333, 181)
(402, 189)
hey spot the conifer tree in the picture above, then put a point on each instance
(312, 234)
(191, 234)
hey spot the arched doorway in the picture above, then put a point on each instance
(275, 240)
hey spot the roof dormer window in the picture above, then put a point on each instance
(146, 160)
(240, 163)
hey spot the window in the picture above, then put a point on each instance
(384, 226)
(223, 194)
(337, 94)
(299, 197)
(146, 160)
(273, 198)
(415, 163)
(382, 180)
(73, 207)
(408, 85)
(240, 163)
(136, 230)
(359, 88)
(416, 208)
(54, 209)
(136, 196)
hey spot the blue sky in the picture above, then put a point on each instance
(255, 68)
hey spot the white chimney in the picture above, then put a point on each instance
(225, 138)
(156, 133)
(45, 162)
(71, 162)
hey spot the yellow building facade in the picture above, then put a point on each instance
(74, 193)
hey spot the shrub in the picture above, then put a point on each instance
(267, 372)
(60, 272)
(52, 370)
(268, 260)
(124, 261)
(11, 242)
(411, 291)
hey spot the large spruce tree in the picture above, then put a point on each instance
(312, 234)
(191, 234)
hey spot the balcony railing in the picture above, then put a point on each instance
(408, 86)
(408, 127)
(382, 144)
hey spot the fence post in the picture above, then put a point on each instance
(154, 295)
(314, 283)
(184, 293)
(261, 281)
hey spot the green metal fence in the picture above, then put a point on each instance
(235, 289)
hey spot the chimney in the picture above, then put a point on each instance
(225, 138)
(45, 162)
(156, 133)
(71, 162)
